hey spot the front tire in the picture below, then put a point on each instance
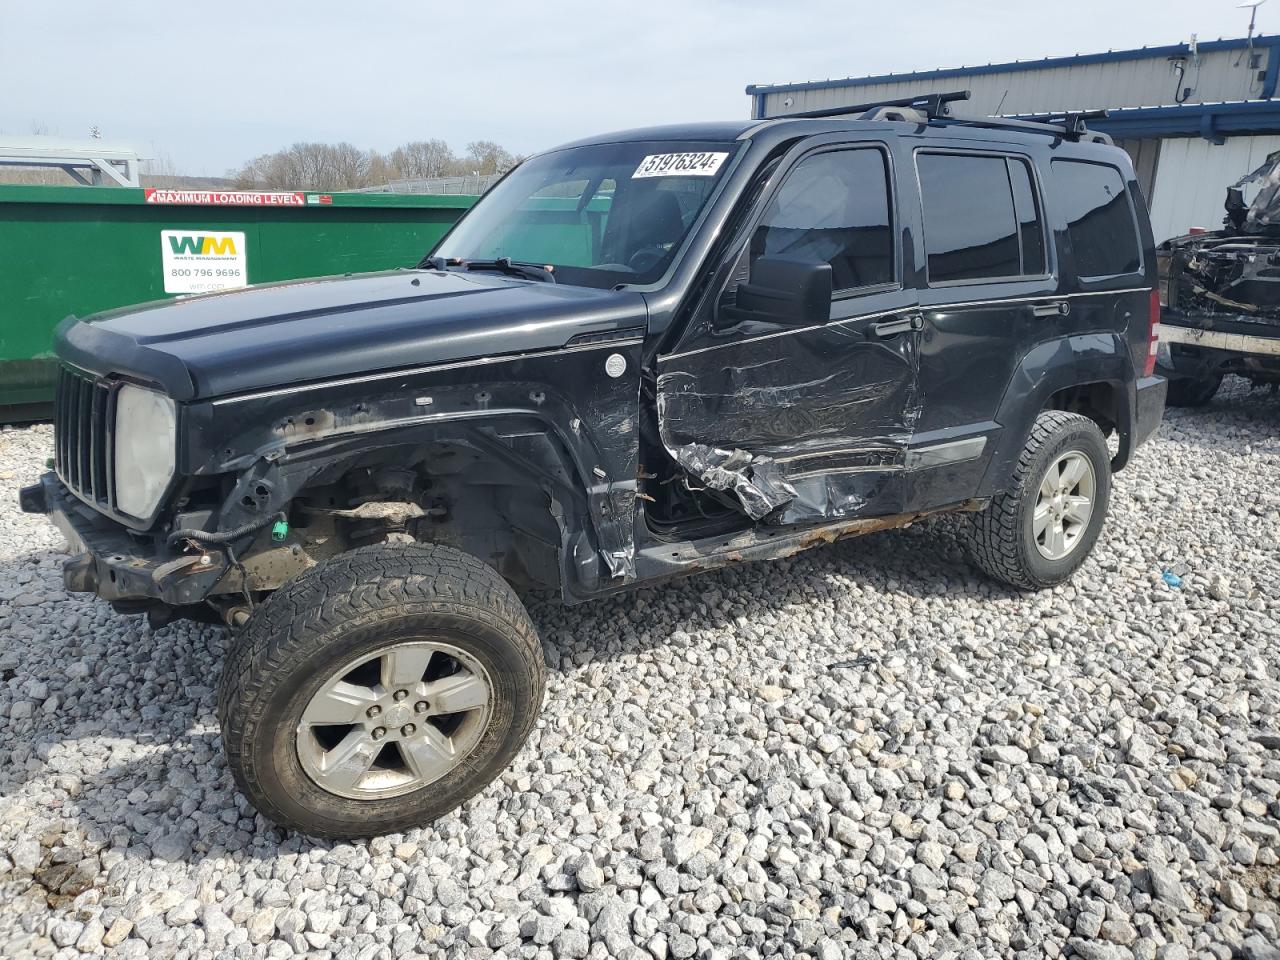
(379, 691)
(1038, 532)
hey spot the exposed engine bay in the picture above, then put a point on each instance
(1236, 273)
(1220, 292)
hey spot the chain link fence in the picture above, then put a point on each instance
(444, 186)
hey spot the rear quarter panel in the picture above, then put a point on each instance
(1102, 340)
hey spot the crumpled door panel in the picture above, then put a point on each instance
(801, 426)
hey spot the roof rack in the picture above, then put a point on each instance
(936, 107)
(1068, 127)
(932, 105)
(1072, 122)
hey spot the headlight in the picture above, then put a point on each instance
(146, 434)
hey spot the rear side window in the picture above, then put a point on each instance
(1100, 220)
(981, 217)
(1027, 210)
(833, 208)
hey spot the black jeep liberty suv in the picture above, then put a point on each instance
(638, 356)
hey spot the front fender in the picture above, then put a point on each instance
(558, 418)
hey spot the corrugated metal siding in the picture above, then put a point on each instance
(1192, 180)
(1144, 82)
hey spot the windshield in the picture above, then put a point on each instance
(599, 215)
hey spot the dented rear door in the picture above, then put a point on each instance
(802, 424)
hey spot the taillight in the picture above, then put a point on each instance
(1153, 335)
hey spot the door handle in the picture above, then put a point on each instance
(891, 328)
(1059, 308)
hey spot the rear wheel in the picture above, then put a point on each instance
(379, 691)
(1192, 391)
(1038, 532)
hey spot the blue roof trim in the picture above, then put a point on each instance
(1111, 56)
(1213, 121)
(1272, 75)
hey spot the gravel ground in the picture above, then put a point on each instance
(867, 750)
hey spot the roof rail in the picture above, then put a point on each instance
(935, 106)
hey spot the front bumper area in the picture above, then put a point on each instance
(115, 563)
(1221, 340)
(1198, 347)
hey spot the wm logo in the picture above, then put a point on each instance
(203, 246)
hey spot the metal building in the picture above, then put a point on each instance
(1194, 117)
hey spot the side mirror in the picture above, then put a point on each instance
(784, 291)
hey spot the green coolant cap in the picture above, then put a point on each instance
(279, 530)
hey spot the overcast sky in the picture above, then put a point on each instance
(212, 85)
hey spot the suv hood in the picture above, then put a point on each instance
(286, 333)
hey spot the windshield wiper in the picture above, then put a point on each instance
(534, 271)
(515, 268)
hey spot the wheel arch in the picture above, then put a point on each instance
(1099, 400)
(513, 500)
(514, 487)
(1091, 374)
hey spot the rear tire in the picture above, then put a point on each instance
(1192, 391)
(1038, 532)
(314, 689)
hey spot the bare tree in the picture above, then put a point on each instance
(381, 170)
(310, 166)
(349, 166)
(486, 157)
(424, 158)
(343, 166)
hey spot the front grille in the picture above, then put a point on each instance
(84, 416)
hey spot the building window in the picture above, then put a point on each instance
(834, 208)
(1104, 235)
(981, 218)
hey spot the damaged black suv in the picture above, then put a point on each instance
(638, 356)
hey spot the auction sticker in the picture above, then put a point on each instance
(201, 261)
(679, 165)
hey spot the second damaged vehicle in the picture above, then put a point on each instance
(1221, 295)
(638, 356)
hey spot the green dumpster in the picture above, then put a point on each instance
(79, 250)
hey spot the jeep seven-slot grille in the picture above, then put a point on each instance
(83, 434)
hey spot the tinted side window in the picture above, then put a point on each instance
(1100, 220)
(1030, 228)
(970, 231)
(833, 208)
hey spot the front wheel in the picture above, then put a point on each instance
(379, 691)
(1038, 532)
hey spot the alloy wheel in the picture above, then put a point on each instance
(1064, 505)
(395, 720)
